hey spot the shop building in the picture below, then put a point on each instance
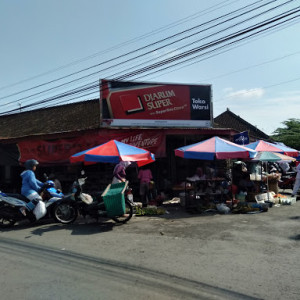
(52, 135)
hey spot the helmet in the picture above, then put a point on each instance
(30, 163)
(50, 183)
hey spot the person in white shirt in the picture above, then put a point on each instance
(284, 165)
(297, 181)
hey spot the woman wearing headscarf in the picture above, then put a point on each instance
(119, 173)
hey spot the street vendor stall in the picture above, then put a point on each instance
(283, 153)
(263, 146)
(271, 179)
(114, 152)
(206, 189)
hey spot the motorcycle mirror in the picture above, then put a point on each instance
(45, 176)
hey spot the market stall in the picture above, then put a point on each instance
(209, 187)
(271, 179)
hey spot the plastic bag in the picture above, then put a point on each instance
(40, 210)
(223, 208)
(86, 198)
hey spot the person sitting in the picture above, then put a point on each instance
(30, 186)
(199, 175)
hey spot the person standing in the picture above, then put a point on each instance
(145, 176)
(297, 182)
(30, 185)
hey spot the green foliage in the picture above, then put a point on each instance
(290, 134)
(150, 210)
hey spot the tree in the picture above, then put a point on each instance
(289, 135)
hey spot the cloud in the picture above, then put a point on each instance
(166, 53)
(255, 93)
(291, 93)
(267, 113)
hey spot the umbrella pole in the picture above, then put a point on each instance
(186, 198)
(267, 180)
(232, 202)
(231, 167)
(261, 178)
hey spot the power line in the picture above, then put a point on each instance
(253, 66)
(139, 49)
(197, 49)
(263, 34)
(108, 50)
(190, 52)
(270, 21)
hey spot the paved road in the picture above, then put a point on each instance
(174, 256)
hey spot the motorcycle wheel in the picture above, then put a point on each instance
(6, 218)
(65, 212)
(127, 216)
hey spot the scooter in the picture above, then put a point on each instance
(287, 180)
(61, 208)
(95, 207)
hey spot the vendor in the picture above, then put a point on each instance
(241, 177)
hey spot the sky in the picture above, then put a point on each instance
(44, 41)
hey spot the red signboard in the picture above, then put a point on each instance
(59, 151)
(155, 104)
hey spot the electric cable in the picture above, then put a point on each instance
(141, 48)
(151, 67)
(39, 93)
(108, 50)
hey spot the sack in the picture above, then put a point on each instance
(223, 208)
(40, 210)
(86, 198)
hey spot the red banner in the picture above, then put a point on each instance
(59, 151)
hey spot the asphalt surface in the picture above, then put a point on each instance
(173, 256)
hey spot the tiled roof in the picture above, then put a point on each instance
(58, 119)
(86, 115)
(228, 119)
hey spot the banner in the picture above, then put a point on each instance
(241, 138)
(59, 151)
(155, 104)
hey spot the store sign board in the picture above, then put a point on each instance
(155, 104)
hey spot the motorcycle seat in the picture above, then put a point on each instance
(18, 196)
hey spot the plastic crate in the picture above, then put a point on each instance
(261, 198)
(114, 199)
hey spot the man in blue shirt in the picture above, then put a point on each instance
(30, 185)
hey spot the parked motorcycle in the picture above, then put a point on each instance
(61, 208)
(287, 180)
(95, 207)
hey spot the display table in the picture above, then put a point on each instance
(203, 191)
(270, 179)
